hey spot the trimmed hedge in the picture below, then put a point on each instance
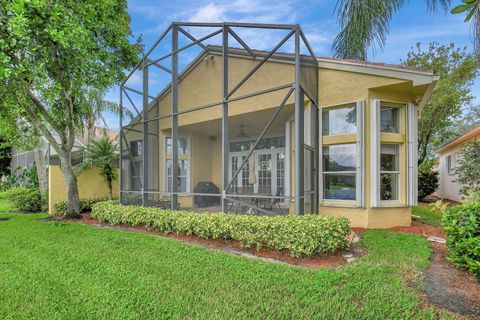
(24, 199)
(462, 226)
(300, 236)
(60, 207)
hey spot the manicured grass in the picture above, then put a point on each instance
(73, 271)
(427, 215)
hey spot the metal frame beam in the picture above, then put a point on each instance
(226, 30)
(225, 142)
(208, 36)
(268, 56)
(189, 36)
(237, 37)
(299, 134)
(260, 137)
(174, 116)
(145, 144)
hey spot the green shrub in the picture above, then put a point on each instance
(60, 207)
(462, 226)
(25, 200)
(300, 236)
(428, 179)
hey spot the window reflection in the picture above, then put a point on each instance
(339, 172)
(339, 157)
(341, 120)
(389, 119)
(389, 171)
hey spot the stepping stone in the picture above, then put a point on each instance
(356, 238)
(436, 239)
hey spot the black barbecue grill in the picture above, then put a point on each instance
(207, 187)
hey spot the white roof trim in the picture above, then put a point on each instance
(417, 77)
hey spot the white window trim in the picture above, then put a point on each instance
(360, 181)
(399, 184)
(360, 156)
(375, 153)
(412, 157)
(333, 107)
(189, 171)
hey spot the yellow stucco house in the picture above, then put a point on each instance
(237, 142)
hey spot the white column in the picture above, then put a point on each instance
(360, 195)
(412, 155)
(320, 156)
(375, 153)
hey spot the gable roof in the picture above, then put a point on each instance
(417, 76)
(459, 140)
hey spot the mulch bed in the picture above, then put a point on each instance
(329, 260)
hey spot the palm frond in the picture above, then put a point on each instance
(364, 25)
(476, 34)
(438, 5)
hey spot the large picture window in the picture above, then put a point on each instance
(389, 172)
(183, 168)
(339, 120)
(339, 172)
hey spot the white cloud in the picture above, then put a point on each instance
(209, 13)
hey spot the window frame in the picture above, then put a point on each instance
(168, 156)
(356, 138)
(139, 142)
(398, 173)
(451, 161)
(347, 172)
(398, 106)
(336, 107)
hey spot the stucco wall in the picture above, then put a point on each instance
(202, 86)
(448, 188)
(90, 185)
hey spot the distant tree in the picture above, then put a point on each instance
(51, 52)
(102, 154)
(5, 158)
(469, 119)
(457, 70)
(468, 168)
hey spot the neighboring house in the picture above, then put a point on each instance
(359, 145)
(447, 162)
(22, 159)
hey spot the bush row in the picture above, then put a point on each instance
(24, 199)
(300, 236)
(60, 207)
(462, 226)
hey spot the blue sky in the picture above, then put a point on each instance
(411, 25)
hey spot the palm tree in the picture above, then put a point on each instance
(365, 23)
(96, 105)
(102, 154)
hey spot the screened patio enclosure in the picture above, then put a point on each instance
(212, 116)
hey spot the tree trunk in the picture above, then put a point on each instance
(42, 172)
(73, 199)
(90, 129)
(110, 190)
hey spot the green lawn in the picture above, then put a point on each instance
(73, 271)
(427, 215)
